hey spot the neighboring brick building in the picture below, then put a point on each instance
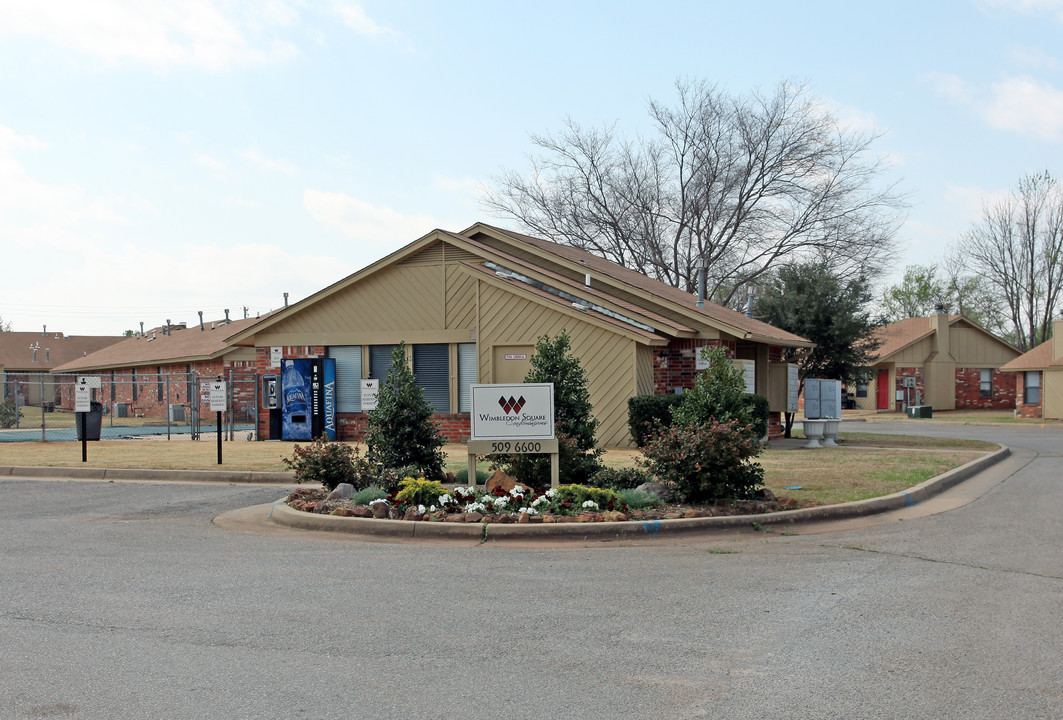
(949, 363)
(159, 374)
(1039, 378)
(29, 359)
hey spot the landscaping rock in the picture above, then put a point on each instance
(693, 514)
(499, 479)
(613, 516)
(394, 513)
(361, 511)
(344, 512)
(524, 519)
(411, 514)
(549, 518)
(343, 491)
(380, 510)
(456, 517)
(661, 491)
(504, 518)
(474, 517)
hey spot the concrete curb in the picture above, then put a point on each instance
(88, 473)
(282, 514)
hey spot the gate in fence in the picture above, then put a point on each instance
(40, 406)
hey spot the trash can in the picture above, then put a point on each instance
(92, 422)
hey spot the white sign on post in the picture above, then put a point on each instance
(218, 396)
(82, 398)
(370, 392)
(522, 411)
(92, 381)
(276, 352)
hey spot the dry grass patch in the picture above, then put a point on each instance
(838, 475)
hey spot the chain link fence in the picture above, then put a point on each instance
(38, 407)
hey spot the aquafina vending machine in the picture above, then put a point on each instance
(308, 398)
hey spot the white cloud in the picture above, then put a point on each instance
(259, 160)
(1052, 8)
(161, 34)
(1035, 58)
(1027, 106)
(216, 167)
(355, 17)
(28, 205)
(364, 222)
(1017, 103)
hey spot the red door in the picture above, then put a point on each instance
(883, 386)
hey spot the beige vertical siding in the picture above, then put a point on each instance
(1053, 394)
(972, 348)
(607, 357)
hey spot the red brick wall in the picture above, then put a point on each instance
(674, 365)
(454, 426)
(1023, 409)
(969, 395)
(909, 393)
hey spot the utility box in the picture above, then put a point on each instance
(920, 411)
(177, 413)
(121, 409)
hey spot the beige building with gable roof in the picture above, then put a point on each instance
(1039, 378)
(470, 306)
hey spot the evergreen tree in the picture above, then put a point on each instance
(809, 300)
(573, 422)
(401, 432)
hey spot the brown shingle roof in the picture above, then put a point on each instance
(656, 288)
(157, 347)
(898, 335)
(1040, 358)
(17, 356)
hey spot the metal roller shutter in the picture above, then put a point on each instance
(348, 377)
(431, 367)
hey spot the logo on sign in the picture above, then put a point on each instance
(511, 405)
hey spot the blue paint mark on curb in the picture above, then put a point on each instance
(273, 508)
(908, 500)
(652, 526)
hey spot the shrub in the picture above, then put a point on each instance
(619, 478)
(759, 413)
(400, 430)
(323, 461)
(368, 495)
(718, 394)
(461, 477)
(574, 496)
(706, 462)
(645, 411)
(418, 491)
(638, 500)
(9, 415)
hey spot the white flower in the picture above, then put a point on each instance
(541, 500)
(550, 493)
(432, 509)
(475, 507)
(530, 511)
(444, 499)
(379, 500)
(500, 501)
(517, 491)
(590, 504)
(420, 509)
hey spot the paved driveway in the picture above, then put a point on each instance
(125, 600)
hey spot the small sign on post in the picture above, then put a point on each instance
(219, 402)
(370, 391)
(83, 406)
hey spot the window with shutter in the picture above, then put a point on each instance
(466, 375)
(431, 368)
(348, 377)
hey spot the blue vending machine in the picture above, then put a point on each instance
(308, 398)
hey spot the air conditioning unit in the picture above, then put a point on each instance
(177, 413)
(121, 409)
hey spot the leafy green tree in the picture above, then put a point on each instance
(810, 300)
(718, 395)
(926, 287)
(574, 422)
(916, 295)
(401, 431)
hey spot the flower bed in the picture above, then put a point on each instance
(521, 504)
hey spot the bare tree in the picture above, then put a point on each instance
(1017, 246)
(742, 183)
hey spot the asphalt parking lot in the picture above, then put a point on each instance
(127, 600)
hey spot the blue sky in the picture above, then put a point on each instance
(159, 158)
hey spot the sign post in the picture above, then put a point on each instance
(218, 404)
(513, 419)
(83, 406)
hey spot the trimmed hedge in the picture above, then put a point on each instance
(643, 411)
